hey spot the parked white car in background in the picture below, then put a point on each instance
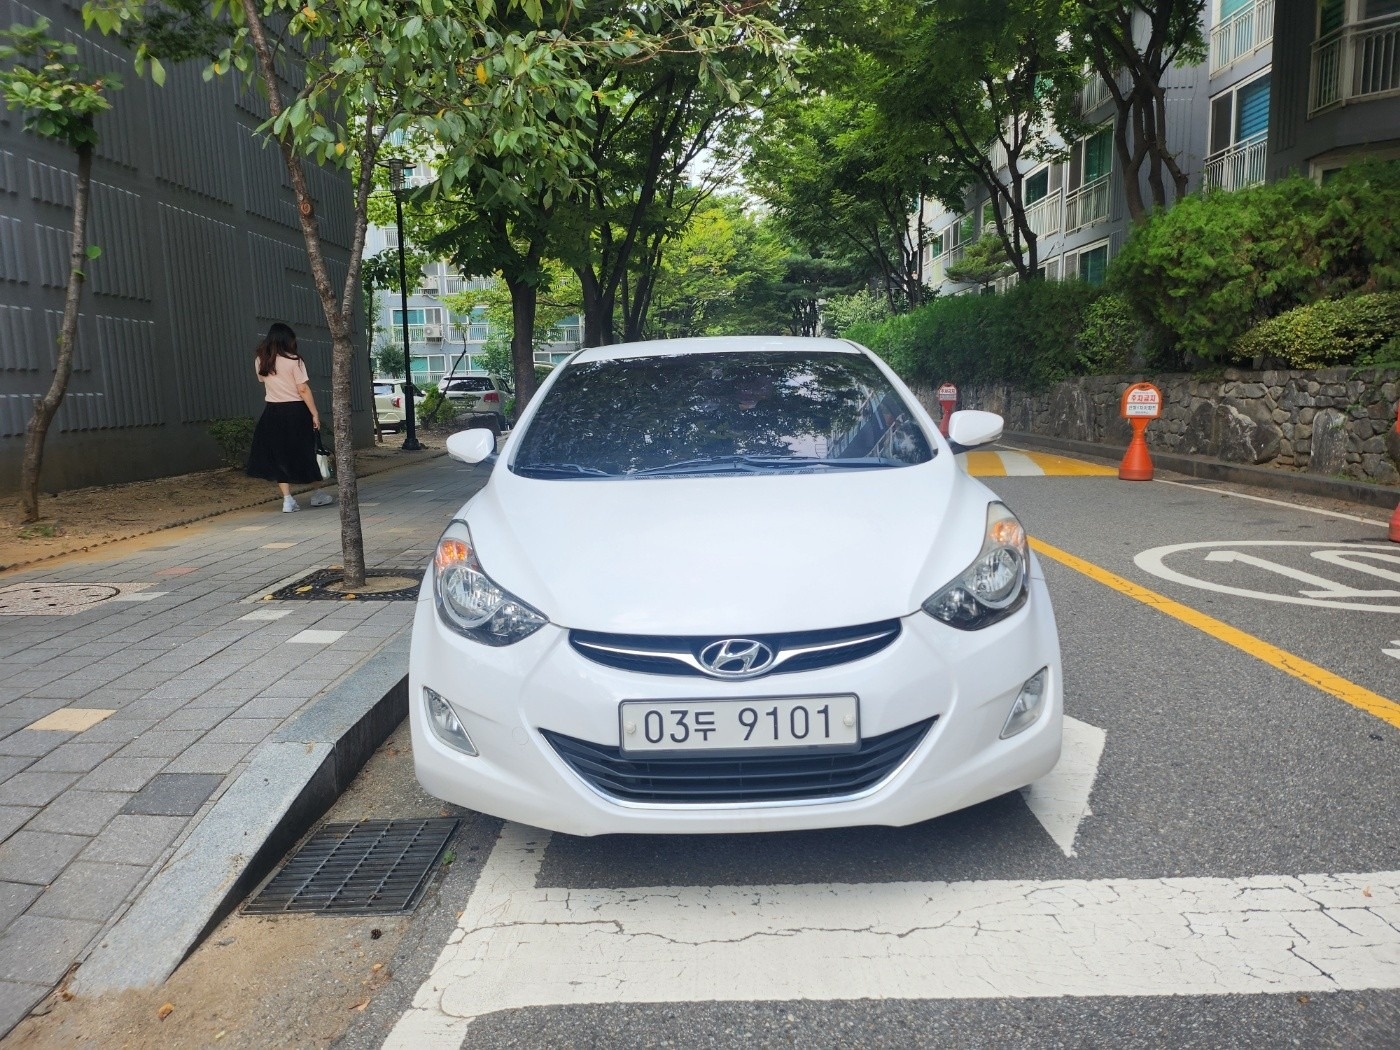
(478, 392)
(388, 404)
(736, 584)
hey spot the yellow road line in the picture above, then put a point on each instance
(985, 465)
(1053, 464)
(1318, 677)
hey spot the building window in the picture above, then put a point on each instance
(1093, 263)
(1239, 114)
(1239, 136)
(1037, 186)
(425, 315)
(1091, 162)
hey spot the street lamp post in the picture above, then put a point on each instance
(396, 183)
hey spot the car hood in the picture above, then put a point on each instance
(747, 553)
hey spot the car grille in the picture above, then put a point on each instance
(703, 779)
(679, 654)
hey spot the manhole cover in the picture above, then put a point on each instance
(324, 585)
(374, 867)
(53, 599)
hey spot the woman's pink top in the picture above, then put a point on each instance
(283, 384)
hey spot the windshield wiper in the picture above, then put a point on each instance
(714, 464)
(568, 470)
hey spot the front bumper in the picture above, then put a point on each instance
(505, 696)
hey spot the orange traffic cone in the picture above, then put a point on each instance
(1395, 525)
(1137, 464)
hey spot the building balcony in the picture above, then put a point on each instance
(1043, 217)
(1241, 34)
(1239, 166)
(1086, 205)
(1358, 61)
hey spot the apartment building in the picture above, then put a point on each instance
(201, 251)
(1288, 86)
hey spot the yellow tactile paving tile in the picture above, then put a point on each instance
(1018, 463)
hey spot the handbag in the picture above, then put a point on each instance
(323, 458)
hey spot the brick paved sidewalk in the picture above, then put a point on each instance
(122, 722)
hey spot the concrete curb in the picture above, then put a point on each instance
(1362, 492)
(291, 780)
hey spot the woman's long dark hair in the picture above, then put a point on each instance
(281, 341)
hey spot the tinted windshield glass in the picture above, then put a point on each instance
(473, 383)
(719, 413)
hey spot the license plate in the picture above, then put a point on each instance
(760, 723)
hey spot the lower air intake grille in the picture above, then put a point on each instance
(699, 779)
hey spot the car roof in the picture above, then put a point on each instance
(721, 344)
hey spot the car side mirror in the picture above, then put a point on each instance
(471, 446)
(970, 428)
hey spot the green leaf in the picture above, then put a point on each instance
(93, 251)
(157, 72)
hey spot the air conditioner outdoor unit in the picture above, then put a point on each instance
(432, 331)
(430, 287)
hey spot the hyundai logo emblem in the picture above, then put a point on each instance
(736, 658)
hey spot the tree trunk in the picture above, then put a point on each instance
(47, 407)
(352, 543)
(524, 301)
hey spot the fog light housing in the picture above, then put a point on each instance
(445, 724)
(1030, 701)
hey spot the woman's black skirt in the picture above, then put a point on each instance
(284, 444)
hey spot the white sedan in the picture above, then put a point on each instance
(734, 584)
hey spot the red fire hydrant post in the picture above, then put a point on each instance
(1141, 404)
(948, 401)
(1395, 518)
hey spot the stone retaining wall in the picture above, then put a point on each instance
(1338, 422)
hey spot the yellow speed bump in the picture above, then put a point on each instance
(1318, 677)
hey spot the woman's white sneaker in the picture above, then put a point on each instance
(289, 505)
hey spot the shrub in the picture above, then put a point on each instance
(436, 409)
(840, 313)
(1330, 332)
(234, 438)
(1029, 334)
(1215, 265)
(1110, 337)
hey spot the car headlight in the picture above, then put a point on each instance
(470, 602)
(994, 585)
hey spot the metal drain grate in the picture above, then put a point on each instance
(374, 867)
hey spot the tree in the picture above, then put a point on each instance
(838, 181)
(59, 100)
(1131, 44)
(987, 86)
(469, 77)
(983, 261)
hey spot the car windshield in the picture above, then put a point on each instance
(472, 383)
(383, 388)
(720, 413)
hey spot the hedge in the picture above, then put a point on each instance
(1333, 331)
(1215, 265)
(1029, 334)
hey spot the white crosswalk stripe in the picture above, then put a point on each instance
(518, 945)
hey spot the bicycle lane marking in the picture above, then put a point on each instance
(1358, 696)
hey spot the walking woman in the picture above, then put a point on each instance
(284, 443)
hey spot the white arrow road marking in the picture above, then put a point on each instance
(1347, 559)
(1393, 652)
(520, 945)
(1322, 586)
(1060, 801)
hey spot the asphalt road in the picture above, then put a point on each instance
(1223, 765)
(1235, 881)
